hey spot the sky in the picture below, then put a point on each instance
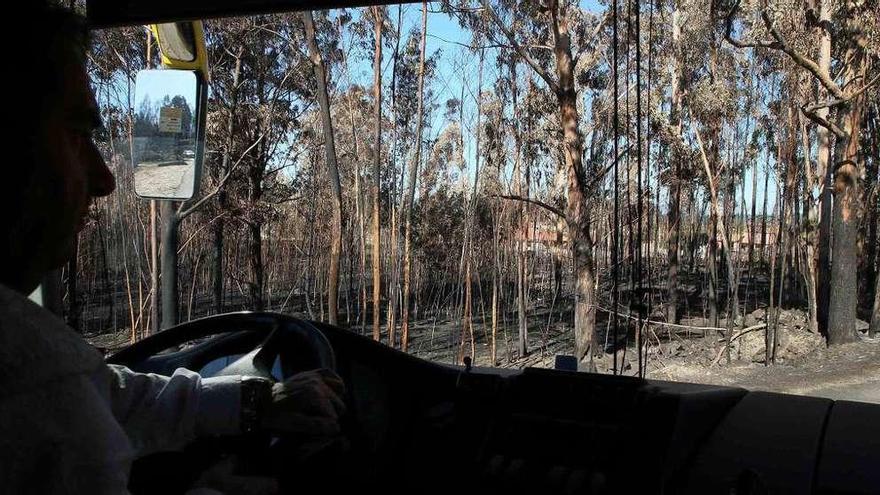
(158, 83)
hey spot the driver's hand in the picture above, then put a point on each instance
(308, 405)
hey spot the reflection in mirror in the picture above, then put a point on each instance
(165, 139)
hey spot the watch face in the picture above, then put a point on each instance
(256, 395)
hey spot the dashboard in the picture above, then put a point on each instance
(422, 427)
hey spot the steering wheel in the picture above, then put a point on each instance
(269, 345)
(263, 338)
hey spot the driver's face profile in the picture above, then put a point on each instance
(79, 170)
(65, 171)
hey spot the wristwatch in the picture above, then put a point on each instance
(256, 396)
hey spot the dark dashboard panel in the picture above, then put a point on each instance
(548, 431)
(768, 443)
(850, 454)
(567, 432)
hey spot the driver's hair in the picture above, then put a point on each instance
(51, 40)
(58, 37)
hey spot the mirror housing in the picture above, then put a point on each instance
(182, 46)
(168, 134)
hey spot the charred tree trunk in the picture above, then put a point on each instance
(752, 239)
(255, 262)
(753, 217)
(411, 188)
(823, 161)
(770, 315)
(394, 262)
(219, 225)
(360, 213)
(729, 264)
(522, 230)
(377, 168)
(809, 231)
(332, 167)
(874, 329)
(496, 281)
(674, 222)
(873, 206)
(466, 318)
(844, 266)
(217, 265)
(764, 209)
(712, 264)
(254, 219)
(674, 226)
(467, 247)
(557, 258)
(718, 225)
(577, 213)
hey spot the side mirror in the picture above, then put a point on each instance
(168, 133)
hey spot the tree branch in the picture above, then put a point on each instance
(779, 43)
(816, 118)
(801, 60)
(840, 101)
(185, 213)
(759, 326)
(710, 177)
(551, 209)
(597, 179)
(519, 49)
(658, 323)
(466, 45)
(728, 33)
(596, 48)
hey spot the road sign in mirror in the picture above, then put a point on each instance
(165, 134)
(171, 120)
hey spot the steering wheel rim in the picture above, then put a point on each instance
(263, 336)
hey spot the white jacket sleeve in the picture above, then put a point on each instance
(165, 413)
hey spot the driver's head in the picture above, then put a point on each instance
(59, 168)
